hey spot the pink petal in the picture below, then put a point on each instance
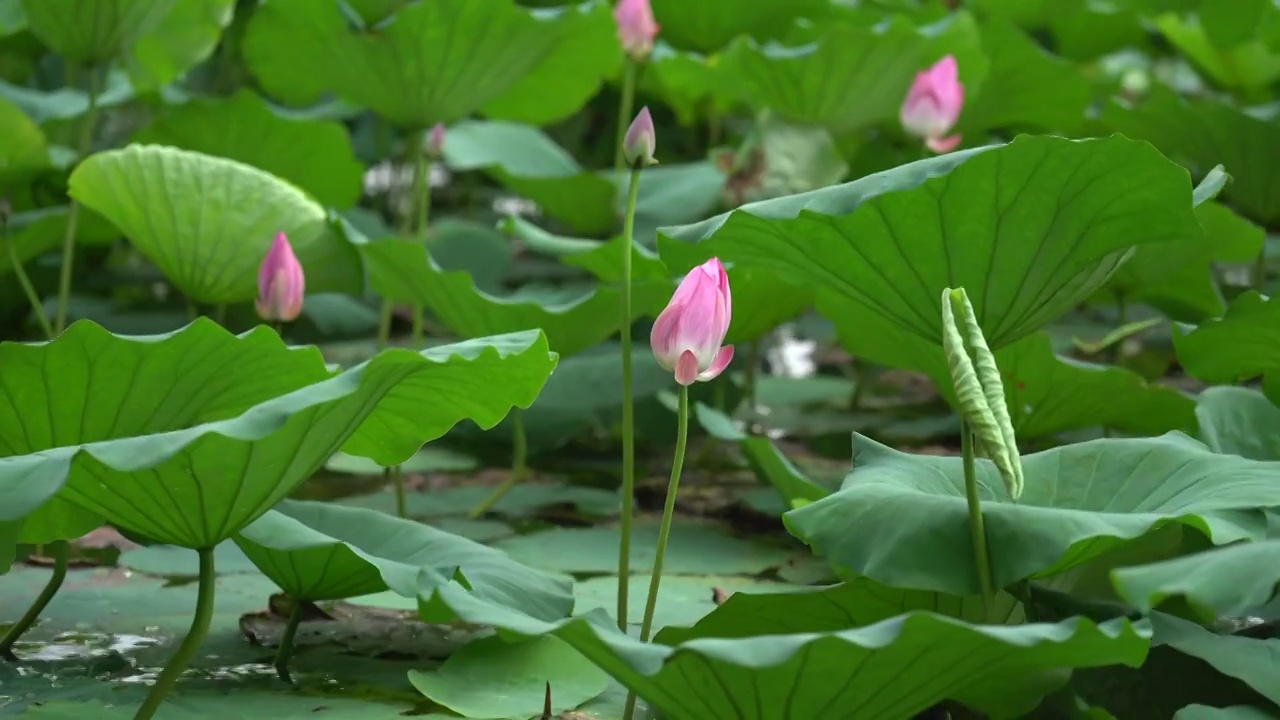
(943, 145)
(687, 368)
(723, 358)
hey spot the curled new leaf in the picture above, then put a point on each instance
(979, 390)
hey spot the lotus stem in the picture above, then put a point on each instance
(628, 403)
(190, 644)
(749, 380)
(384, 324)
(519, 466)
(625, 108)
(664, 530)
(285, 649)
(59, 551)
(69, 238)
(397, 483)
(977, 531)
(21, 273)
(416, 334)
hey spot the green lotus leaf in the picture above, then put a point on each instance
(190, 473)
(571, 74)
(711, 25)
(894, 668)
(1047, 393)
(315, 155)
(524, 159)
(1029, 228)
(1239, 421)
(902, 520)
(403, 271)
(25, 151)
(430, 62)
(207, 222)
(320, 551)
(1227, 581)
(188, 34)
(94, 32)
(841, 76)
(1253, 662)
(112, 388)
(1235, 712)
(1203, 133)
(1248, 65)
(1240, 345)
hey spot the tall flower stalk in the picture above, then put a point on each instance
(59, 551)
(638, 146)
(19, 272)
(686, 339)
(985, 424)
(87, 130)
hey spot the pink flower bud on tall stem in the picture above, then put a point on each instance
(687, 335)
(933, 105)
(641, 141)
(636, 28)
(281, 283)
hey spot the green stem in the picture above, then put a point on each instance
(69, 238)
(384, 324)
(628, 405)
(220, 314)
(285, 650)
(416, 333)
(859, 382)
(626, 107)
(59, 551)
(1260, 272)
(193, 311)
(749, 379)
(664, 530)
(976, 530)
(519, 466)
(397, 482)
(190, 644)
(27, 288)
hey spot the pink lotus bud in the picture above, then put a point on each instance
(435, 140)
(641, 141)
(636, 27)
(933, 105)
(686, 336)
(281, 283)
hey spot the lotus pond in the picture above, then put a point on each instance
(364, 359)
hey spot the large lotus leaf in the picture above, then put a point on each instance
(1203, 133)
(1253, 662)
(1248, 65)
(108, 388)
(856, 603)
(1178, 277)
(1234, 712)
(1239, 421)
(36, 232)
(689, 83)
(195, 480)
(1046, 392)
(322, 551)
(207, 222)
(315, 155)
(841, 76)
(1025, 87)
(711, 25)
(403, 271)
(567, 77)
(430, 62)
(902, 519)
(188, 34)
(524, 159)
(94, 32)
(1242, 344)
(892, 669)
(1030, 228)
(25, 151)
(1222, 581)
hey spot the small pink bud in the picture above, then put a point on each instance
(281, 283)
(435, 140)
(636, 27)
(640, 141)
(933, 105)
(687, 335)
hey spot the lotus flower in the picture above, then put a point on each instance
(641, 141)
(933, 105)
(636, 27)
(687, 335)
(281, 284)
(435, 140)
